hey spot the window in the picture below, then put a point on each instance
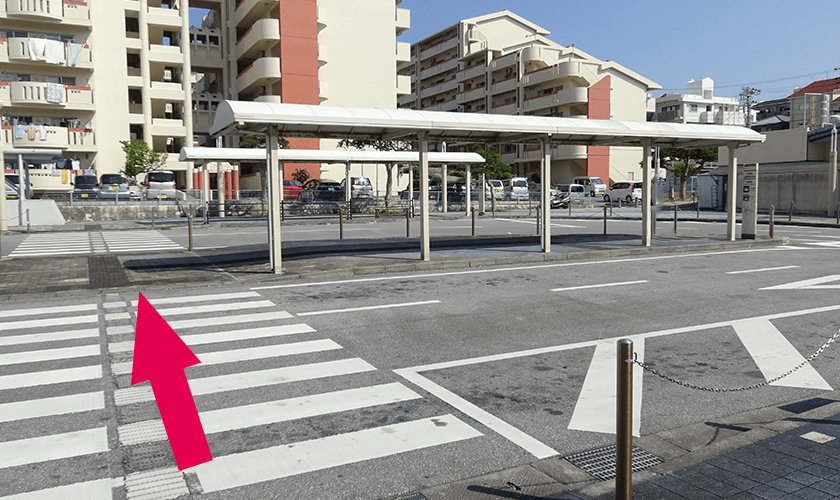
(693, 107)
(708, 108)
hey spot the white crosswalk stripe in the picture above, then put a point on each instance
(42, 245)
(248, 366)
(75, 409)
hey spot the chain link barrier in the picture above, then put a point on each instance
(738, 389)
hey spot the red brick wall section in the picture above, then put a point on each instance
(598, 108)
(299, 67)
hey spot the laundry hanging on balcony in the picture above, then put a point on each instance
(52, 51)
(36, 48)
(74, 50)
(55, 93)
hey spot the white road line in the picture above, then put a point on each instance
(271, 412)
(369, 308)
(230, 306)
(247, 380)
(763, 269)
(99, 489)
(519, 268)
(531, 222)
(34, 379)
(228, 320)
(277, 462)
(37, 338)
(603, 285)
(595, 408)
(82, 351)
(61, 405)
(199, 298)
(47, 310)
(41, 323)
(53, 447)
(811, 284)
(524, 441)
(250, 334)
(249, 354)
(774, 355)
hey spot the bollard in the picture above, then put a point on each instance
(340, 225)
(153, 222)
(117, 198)
(473, 221)
(407, 224)
(27, 221)
(190, 226)
(538, 221)
(698, 208)
(282, 210)
(493, 204)
(653, 224)
(159, 191)
(837, 211)
(772, 219)
(675, 219)
(605, 220)
(790, 212)
(570, 207)
(624, 422)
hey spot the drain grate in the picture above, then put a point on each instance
(600, 463)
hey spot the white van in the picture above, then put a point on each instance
(593, 185)
(516, 188)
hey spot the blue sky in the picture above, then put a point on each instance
(772, 45)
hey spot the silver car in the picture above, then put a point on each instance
(112, 186)
(360, 187)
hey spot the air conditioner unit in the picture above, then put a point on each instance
(167, 75)
(167, 108)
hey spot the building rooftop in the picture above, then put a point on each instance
(818, 87)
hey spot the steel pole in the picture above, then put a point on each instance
(772, 219)
(624, 421)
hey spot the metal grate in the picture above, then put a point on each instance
(600, 463)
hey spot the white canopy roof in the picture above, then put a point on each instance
(35, 154)
(319, 156)
(301, 120)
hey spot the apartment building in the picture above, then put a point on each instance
(699, 105)
(87, 74)
(502, 63)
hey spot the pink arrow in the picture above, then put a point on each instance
(161, 357)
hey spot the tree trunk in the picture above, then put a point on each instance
(389, 170)
(683, 183)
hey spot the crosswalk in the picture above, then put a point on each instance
(51, 440)
(90, 243)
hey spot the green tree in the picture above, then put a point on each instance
(301, 175)
(380, 145)
(139, 159)
(493, 166)
(686, 163)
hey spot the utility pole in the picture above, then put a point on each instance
(747, 94)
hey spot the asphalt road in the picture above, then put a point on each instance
(429, 378)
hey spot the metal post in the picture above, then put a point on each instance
(790, 212)
(605, 220)
(27, 221)
(539, 222)
(838, 214)
(493, 201)
(624, 422)
(570, 206)
(473, 221)
(340, 225)
(153, 221)
(772, 219)
(407, 223)
(117, 198)
(190, 226)
(698, 208)
(675, 218)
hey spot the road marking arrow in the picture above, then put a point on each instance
(160, 356)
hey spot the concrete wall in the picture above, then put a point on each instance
(41, 213)
(803, 183)
(780, 146)
(79, 213)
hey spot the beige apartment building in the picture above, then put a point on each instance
(83, 75)
(502, 63)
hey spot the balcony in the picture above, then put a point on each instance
(165, 127)
(674, 116)
(206, 47)
(276, 99)
(77, 139)
(402, 100)
(473, 72)
(204, 108)
(403, 20)
(323, 55)
(403, 52)
(169, 54)
(18, 48)
(35, 94)
(572, 95)
(439, 68)
(249, 11)
(263, 72)
(568, 69)
(439, 48)
(472, 95)
(167, 91)
(439, 88)
(323, 18)
(504, 109)
(503, 62)
(81, 140)
(504, 86)
(63, 11)
(403, 85)
(167, 18)
(261, 37)
(323, 91)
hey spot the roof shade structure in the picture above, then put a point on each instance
(276, 120)
(200, 155)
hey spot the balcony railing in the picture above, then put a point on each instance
(263, 71)
(572, 95)
(70, 54)
(438, 68)
(440, 48)
(264, 34)
(69, 11)
(403, 21)
(567, 69)
(41, 93)
(504, 85)
(37, 136)
(473, 72)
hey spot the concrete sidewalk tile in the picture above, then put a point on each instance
(562, 471)
(812, 494)
(803, 478)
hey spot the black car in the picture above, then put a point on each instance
(318, 190)
(434, 190)
(86, 186)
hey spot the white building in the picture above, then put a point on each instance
(97, 72)
(699, 105)
(503, 63)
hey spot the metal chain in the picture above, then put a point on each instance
(738, 389)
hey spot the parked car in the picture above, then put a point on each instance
(457, 192)
(160, 184)
(321, 190)
(291, 189)
(535, 191)
(630, 191)
(11, 193)
(86, 186)
(516, 188)
(113, 186)
(594, 185)
(360, 187)
(575, 192)
(435, 188)
(496, 188)
(133, 189)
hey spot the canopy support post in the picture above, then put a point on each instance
(731, 192)
(545, 194)
(647, 187)
(423, 146)
(275, 183)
